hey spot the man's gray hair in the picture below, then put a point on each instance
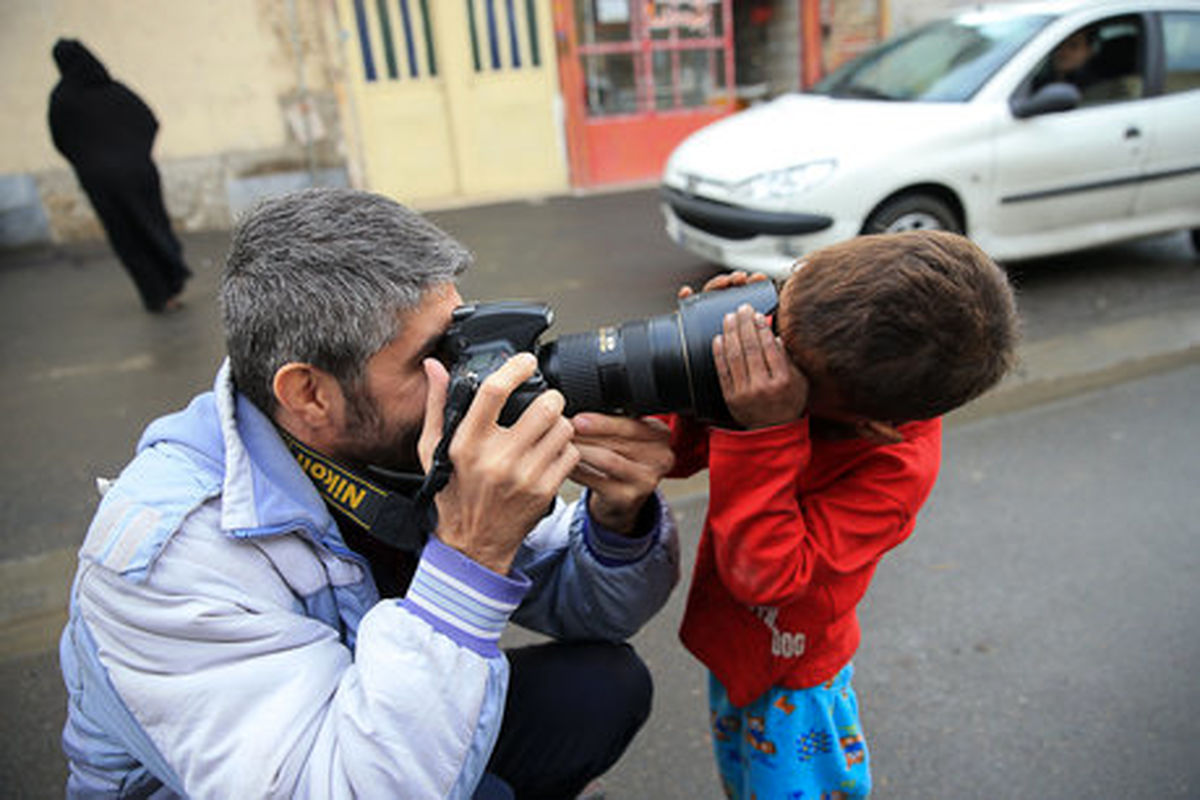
(319, 277)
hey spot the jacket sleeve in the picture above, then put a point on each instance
(235, 685)
(590, 583)
(770, 536)
(689, 444)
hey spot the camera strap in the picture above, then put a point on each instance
(459, 394)
(389, 516)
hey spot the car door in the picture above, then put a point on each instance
(1061, 175)
(1170, 190)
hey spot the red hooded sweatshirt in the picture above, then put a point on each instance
(794, 530)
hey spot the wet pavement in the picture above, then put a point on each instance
(85, 369)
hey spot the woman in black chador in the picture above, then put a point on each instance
(106, 132)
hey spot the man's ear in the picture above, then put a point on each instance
(878, 432)
(308, 395)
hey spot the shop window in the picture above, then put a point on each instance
(662, 55)
(611, 84)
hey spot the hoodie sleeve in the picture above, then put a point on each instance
(591, 583)
(234, 684)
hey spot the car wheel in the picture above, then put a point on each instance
(913, 212)
(1196, 239)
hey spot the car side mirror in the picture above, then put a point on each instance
(1051, 98)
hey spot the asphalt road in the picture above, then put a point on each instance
(1037, 637)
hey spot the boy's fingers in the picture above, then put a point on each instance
(736, 278)
(735, 357)
(724, 377)
(774, 355)
(748, 336)
(771, 347)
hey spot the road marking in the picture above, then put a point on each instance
(136, 363)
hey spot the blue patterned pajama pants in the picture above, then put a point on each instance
(792, 744)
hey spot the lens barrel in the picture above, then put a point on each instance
(652, 366)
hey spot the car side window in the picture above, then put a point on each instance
(1103, 61)
(1181, 41)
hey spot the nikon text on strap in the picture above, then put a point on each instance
(390, 517)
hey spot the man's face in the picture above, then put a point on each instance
(1072, 54)
(383, 417)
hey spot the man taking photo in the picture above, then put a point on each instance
(257, 612)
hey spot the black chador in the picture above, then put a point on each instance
(107, 132)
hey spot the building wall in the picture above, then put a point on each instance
(229, 81)
(848, 28)
(908, 14)
(252, 97)
(783, 48)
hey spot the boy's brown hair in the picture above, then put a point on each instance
(906, 326)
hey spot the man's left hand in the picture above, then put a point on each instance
(622, 461)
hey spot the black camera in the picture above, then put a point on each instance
(649, 366)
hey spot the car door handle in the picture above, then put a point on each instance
(1133, 132)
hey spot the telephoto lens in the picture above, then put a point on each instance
(652, 366)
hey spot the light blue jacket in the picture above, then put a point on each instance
(224, 642)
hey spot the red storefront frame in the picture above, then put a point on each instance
(626, 145)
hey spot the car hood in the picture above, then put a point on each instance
(796, 129)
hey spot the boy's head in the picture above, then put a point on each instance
(898, 327)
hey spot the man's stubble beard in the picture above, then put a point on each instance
(367, 440)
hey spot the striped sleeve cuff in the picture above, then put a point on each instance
(462, 599)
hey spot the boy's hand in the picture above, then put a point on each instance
(723, 281)
(622, 461)
(761, 385)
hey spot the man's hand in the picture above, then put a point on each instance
(504, 478)
(622, 462)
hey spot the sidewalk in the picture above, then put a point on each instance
(1060, 366)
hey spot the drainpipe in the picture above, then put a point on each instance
(810, 42)
(305, 99)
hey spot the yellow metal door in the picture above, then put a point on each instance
(454, 99)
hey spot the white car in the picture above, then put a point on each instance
(1033, 128)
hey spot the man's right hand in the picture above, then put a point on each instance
(504, 477)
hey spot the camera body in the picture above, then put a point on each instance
(481, 337)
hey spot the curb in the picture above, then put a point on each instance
(1057, 368)
(1062, 366)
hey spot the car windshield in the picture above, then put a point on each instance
(945, 61)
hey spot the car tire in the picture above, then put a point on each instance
(1196, 240)
(911, 212)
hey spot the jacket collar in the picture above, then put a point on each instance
(265, 492)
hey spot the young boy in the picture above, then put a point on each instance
(838, 447)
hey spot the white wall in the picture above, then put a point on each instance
(220, 75)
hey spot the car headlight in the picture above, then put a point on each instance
(786, 182)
